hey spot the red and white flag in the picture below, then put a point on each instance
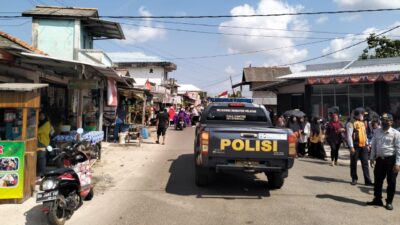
(223, 94)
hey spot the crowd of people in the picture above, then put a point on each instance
(370, 139)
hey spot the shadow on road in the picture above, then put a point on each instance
(35, 216)
(225, 186)
(326, 179)
(341, 199)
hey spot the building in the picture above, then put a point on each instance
(257, 78)
(373, 84)
(190, 94)
(78, 76)
(148, 70)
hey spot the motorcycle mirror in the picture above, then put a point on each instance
(79, 131)
(49, 148)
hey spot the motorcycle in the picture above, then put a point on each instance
(63, 190)
(180, 124)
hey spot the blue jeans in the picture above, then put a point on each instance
(117, 129)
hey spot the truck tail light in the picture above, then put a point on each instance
(292, 140)
(205, 138)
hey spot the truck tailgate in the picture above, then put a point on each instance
(248, 143)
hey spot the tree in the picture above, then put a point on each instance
(381, 47)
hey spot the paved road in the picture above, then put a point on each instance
(155, 185)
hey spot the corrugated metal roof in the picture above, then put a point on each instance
(21, 86)
(56, 11)
(264, 74)
(359, 67)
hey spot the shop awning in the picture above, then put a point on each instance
(66, 67)
(21, 86)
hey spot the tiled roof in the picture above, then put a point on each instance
(9, 41)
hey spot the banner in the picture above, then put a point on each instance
(12, 169)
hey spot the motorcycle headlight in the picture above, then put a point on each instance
(49, 184)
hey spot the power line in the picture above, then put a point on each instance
(256, 15)
(250, 28)
(339, 50)
(251, 52)
(226, 34)
(15, 25)
(253, 15)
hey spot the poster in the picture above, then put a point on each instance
(11, 169)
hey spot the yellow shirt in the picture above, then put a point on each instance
(44, 133)
(359, 134)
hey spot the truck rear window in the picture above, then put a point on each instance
(237, 114)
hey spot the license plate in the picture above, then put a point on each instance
(270, 136)
(46, 196)
(247, 163)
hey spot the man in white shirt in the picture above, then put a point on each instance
(385, 156)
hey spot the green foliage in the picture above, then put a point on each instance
(381, 47)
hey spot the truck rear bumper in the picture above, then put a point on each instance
(252, 169)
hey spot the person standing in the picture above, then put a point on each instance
(316, 148)
(305, 129)
(44, 129)
(119, 121)
(334, 131)
(162, 125)
(358, 144)
(385, 157)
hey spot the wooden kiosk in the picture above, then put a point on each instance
(19, 114)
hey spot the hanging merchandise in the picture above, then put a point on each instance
(111, 93)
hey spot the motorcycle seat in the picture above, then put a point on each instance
(59, 171)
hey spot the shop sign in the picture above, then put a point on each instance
(11, 169)
(83, 84)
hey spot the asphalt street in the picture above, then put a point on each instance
(154, 184)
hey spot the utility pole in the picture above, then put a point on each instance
(233, 91)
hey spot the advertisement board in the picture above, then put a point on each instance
(11, 169)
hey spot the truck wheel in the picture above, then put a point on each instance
(275, 180)
(202, 176)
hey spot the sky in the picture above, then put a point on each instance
(267, 41)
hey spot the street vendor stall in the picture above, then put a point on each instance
(19, 113)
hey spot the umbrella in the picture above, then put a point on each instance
(294, 112)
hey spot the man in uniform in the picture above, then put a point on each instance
(358, 144)
(162, 125)
(385, 156)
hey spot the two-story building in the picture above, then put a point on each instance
(78, 75)
(148, 70)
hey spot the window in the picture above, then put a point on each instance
(344, 96)
(31, 126)
(10, 124)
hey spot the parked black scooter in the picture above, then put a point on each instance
(63, 190)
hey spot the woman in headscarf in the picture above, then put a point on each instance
(334, 131)
(43, 141)
(293, 124)
(305, 129)
(316, 148)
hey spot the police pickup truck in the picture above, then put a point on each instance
(239, 136)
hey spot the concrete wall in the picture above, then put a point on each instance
(144, 72)
(56, 37)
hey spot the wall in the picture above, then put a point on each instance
(144, 72)
(56, 37)
(292, 89)
(86, 40)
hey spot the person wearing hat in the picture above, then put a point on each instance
(359, 147)
(385, 157)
